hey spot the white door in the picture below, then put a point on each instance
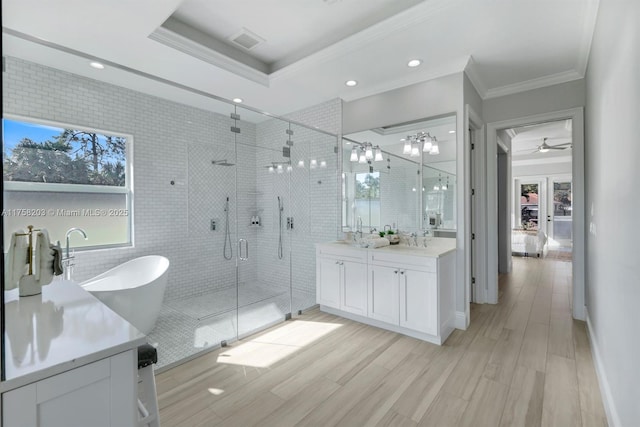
(329, 282)
(354, 288)
(383, 294)
(419, 301)
(559, 214)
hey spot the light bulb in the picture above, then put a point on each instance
(415, 151)
(289, 168)
(436, 187)
(271, 169)
(279, 169)
(444, 186)
(407, 147)
(354, 154)
(313, 164)
(368, 152)
(427, 145)
(434, 150)
(300, 163)
(378, 157)
(413, 189)
(323, 164)
(362, 159)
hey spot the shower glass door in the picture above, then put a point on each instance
(263, 216)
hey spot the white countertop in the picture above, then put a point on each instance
(436, 247)
(63, 328)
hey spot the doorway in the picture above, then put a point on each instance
(547, 163)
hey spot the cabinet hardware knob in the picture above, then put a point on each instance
(395, 272)
(402, 272)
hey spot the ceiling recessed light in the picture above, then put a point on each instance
(97, 65)
(452, 131)
(414, 63)
(351, 83)
(237, 100)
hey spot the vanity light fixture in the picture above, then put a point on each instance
(378, 156)
(354, 154)
(289, 168)
(271, 169)
(368, 152)
(323, 163)
(406, 149)
(97, 65)
(351, 83)
(300, 163)
(414, 63)
(428, 143)
(313, 163)
(434, 147)
(415, 150)
(279, 168)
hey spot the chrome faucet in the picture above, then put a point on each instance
(69, 256)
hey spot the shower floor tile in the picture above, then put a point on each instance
(191, 325)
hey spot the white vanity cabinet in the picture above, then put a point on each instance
(69, 361)
(99, 394)
(342, 279)
(405, 290)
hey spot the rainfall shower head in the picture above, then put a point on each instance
(221, 163)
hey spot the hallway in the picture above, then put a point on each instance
(522, 362)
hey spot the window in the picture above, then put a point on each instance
(58, 176)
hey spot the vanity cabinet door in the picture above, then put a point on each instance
(383, 294)
(419, 301)
(354, 288)
(328, 280)
(102, 393)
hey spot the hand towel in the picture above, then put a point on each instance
(378, 242)
(16, 264)
(44, 258)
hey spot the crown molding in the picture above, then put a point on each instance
(474, 78)
(186, 45)
(554, 79)
(584, 51)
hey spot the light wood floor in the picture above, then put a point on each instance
(522, 362)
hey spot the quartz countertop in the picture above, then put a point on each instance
(436, 247)
(63, 328)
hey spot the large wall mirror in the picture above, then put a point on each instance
(401, 176)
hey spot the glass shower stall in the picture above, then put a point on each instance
(261, 192)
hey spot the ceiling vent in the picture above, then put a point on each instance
(246, 39)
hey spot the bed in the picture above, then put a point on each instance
(528, 242)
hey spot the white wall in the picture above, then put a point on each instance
(547, 169)
(537, 101)
(613, 204)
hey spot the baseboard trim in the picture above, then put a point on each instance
(607, 399)
(460, 321)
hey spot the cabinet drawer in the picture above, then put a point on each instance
(342, 252)
(401, 260)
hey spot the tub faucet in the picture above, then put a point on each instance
(68, 265)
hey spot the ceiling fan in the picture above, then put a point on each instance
(544, 147)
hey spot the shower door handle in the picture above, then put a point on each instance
(246, 249)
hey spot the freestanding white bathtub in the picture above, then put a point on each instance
(134, 290)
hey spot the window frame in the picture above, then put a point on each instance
(46, 187)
